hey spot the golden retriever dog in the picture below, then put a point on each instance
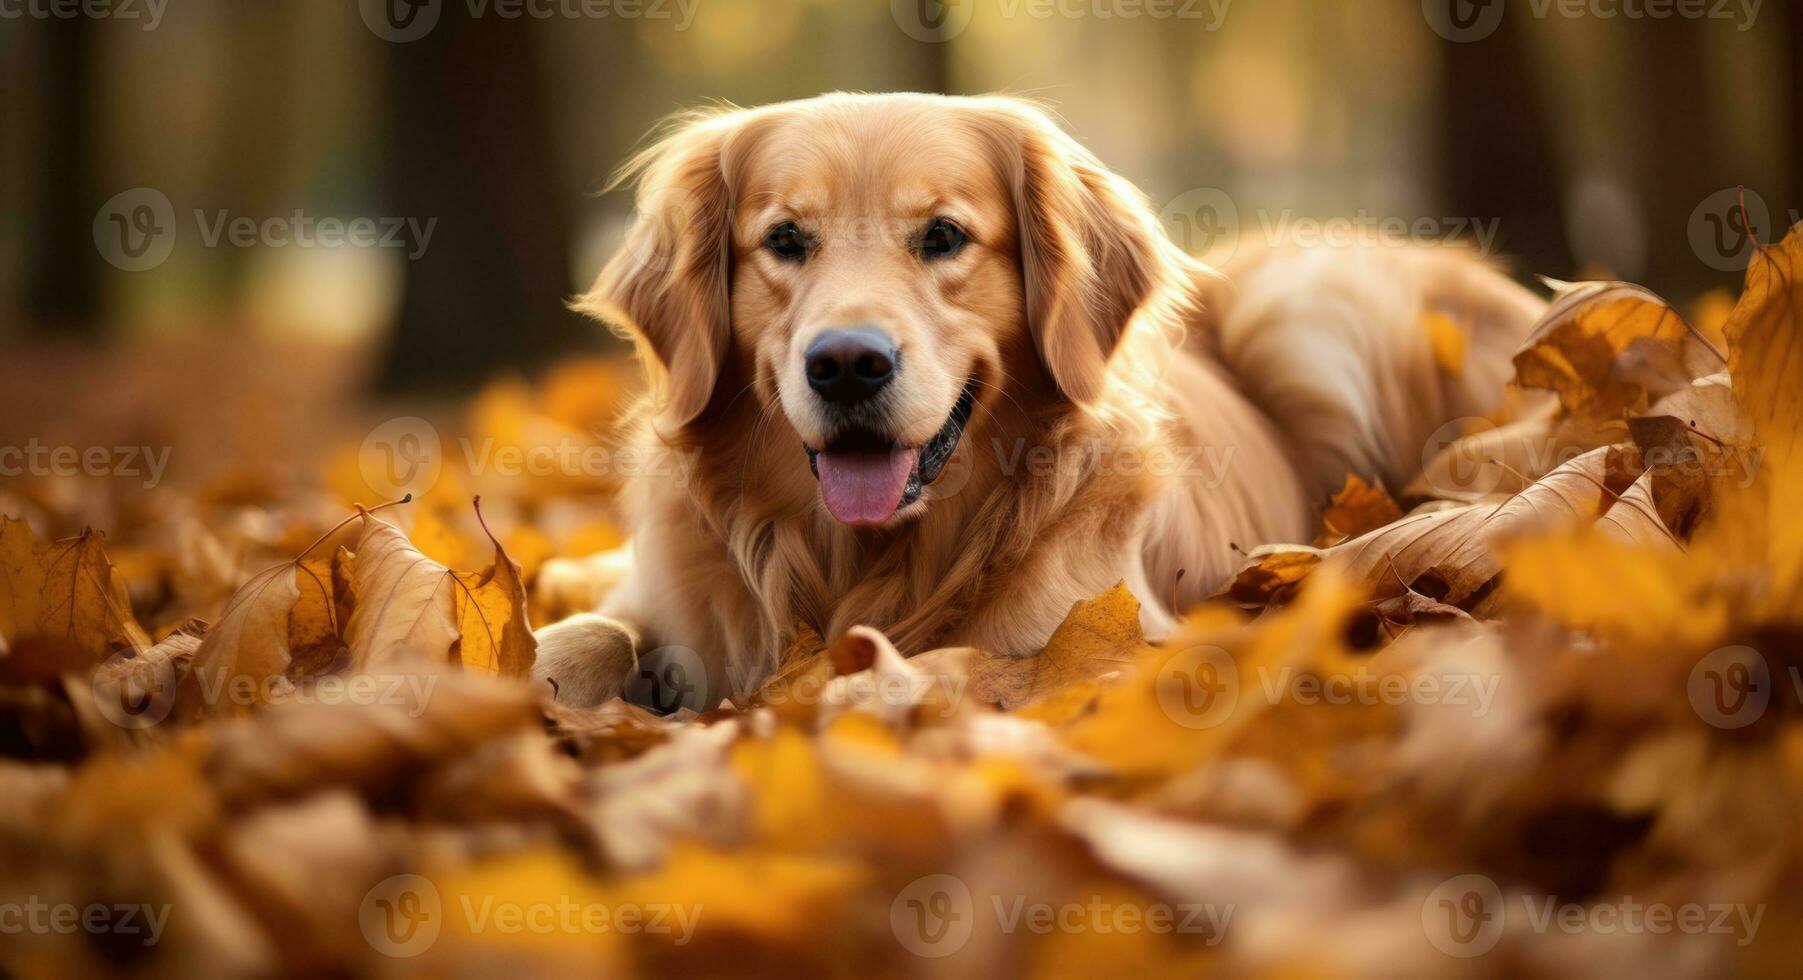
(938, 371)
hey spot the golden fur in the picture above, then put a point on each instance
(1137, 419)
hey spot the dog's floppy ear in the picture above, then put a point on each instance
(1091, 251)
(667, 288)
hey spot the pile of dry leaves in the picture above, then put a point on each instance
(1543, 719)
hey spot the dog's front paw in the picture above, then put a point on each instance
(586, 659)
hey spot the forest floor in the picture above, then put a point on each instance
(1538, 714)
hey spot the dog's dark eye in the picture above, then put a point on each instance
(942, 239)
(787, 242)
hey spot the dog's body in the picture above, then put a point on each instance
(826, 316)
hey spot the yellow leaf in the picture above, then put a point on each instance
(411, 610)
(1634, 596)
(404, 615)
(245, 649)
(62, 607)
(1097, 636)
(1609, 347)
(536, 908)
(494, 634)
(769, 897)
(440, 540)
(1358, 507)
(314, 626)
(1205, 690)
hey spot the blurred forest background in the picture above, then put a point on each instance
(1594, 145)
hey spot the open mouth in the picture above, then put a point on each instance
(865, 477)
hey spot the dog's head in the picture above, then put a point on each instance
(879, 267)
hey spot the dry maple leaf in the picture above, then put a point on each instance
(1449, 554)
(413, 725)
(62, 608)
(253, 642)
(1357, 508)
(1097, 636)
(1652, 600)
(494, 634)
(1765, 341)
(406, 613)
(1607, 347)
(409, 610)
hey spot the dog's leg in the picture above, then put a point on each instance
(586, 659)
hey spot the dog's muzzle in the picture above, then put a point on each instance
(865, 478)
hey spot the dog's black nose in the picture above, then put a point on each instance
(847, 366)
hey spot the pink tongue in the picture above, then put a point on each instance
(863, 488)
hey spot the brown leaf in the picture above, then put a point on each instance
(1449, 555)
(1688, 441)
(397, 729)
(1097, 636)
(1609, 347)
(1271, 574)
(62, 608)
(244, 650)
(404, 615)
(1359, 507)
(495, 635)
(1502, 459)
